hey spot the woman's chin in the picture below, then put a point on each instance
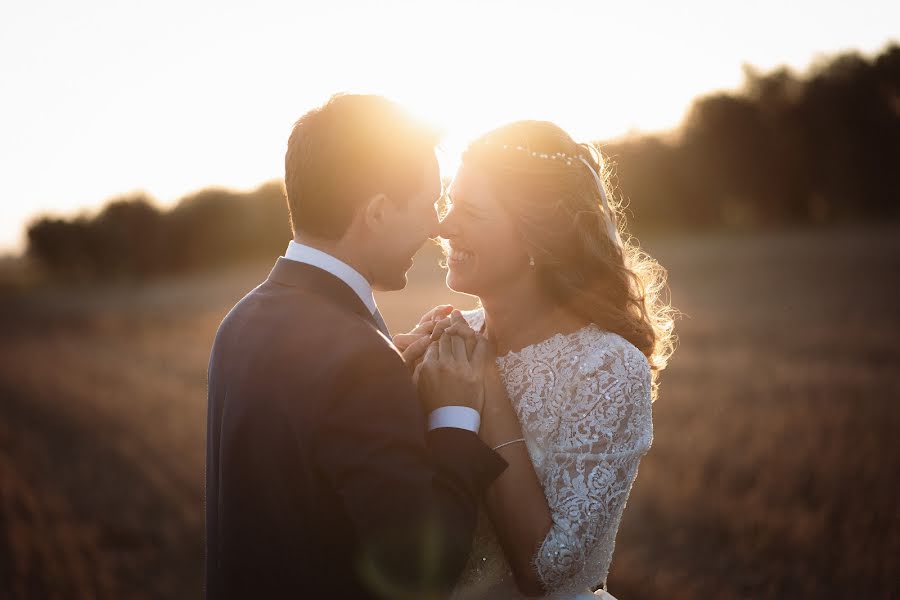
(458, 283)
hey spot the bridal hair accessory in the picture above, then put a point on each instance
(610, 219)
(510, 442)
(570, 160)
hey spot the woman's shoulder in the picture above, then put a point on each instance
(613, 369)
(603, 350)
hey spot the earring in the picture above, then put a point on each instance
(531, 261)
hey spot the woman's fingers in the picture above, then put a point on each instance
(461, 328)
(432, 352)
(416, 349)
(471, 341)
(404, 340)
(456, 326)
(439, 328)
(465, 334)
(445, 344)
(424, 327)
(459, 348)
(437, 313)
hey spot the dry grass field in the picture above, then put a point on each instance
(773, 474)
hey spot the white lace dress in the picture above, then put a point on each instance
(585, 406)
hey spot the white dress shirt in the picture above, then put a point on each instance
(461, 417)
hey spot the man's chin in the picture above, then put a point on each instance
(393, 284)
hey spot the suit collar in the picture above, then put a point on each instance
(306, 277)
(318, 258)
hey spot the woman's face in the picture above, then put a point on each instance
(487, 252)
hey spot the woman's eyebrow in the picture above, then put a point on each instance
(467, 206)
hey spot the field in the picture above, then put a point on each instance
(773, 473)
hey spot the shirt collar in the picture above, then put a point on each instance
(312, 256)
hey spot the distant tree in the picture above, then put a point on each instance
(644, 170)
(61, 246)
(215, 227)
(130, 238)
(782, 150)
(127, 238)
(785, 149)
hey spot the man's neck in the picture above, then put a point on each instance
(339, 249)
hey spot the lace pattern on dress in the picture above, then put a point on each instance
(584, 401)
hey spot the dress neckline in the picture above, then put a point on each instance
(548, 341)
(479, 314)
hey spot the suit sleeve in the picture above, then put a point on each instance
(412, 495)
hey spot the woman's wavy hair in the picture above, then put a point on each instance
(558, 211)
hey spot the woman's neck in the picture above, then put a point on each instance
(521, 315)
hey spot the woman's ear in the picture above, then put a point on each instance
(374, 211)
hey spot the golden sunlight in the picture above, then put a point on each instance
(105, 97)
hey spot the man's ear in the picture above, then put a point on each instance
(374, 211)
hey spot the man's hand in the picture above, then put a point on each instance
(448, 377)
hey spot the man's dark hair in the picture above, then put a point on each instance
(347, 150)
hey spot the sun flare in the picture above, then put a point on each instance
(171, 97)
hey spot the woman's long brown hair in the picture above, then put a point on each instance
(557, 208)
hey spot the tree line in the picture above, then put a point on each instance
(132, 238)
(785, 150)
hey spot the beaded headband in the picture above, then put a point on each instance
(611, 229)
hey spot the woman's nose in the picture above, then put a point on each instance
(447, 226)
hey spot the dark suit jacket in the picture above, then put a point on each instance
(321, 481)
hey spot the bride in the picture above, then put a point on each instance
(579, 330)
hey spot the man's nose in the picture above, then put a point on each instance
(433, 227)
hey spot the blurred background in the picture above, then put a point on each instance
(756, 144)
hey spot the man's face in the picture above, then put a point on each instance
(407, 227)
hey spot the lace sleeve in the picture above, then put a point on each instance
(605, 427)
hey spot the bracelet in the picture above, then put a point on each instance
(495, 448)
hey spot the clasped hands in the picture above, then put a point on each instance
(448, 359)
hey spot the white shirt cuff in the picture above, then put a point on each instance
(461, 417)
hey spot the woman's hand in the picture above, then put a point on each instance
(413, 345)
(499, 422)
(456, 325)
(449, 376)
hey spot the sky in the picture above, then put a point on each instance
(101, 98)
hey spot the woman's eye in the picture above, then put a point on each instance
(470, 213)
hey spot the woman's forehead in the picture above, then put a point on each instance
(469, 184)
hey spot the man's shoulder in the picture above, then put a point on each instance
(307, 319)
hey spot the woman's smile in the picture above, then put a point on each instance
(459, 256)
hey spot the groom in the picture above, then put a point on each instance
(326, 475)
